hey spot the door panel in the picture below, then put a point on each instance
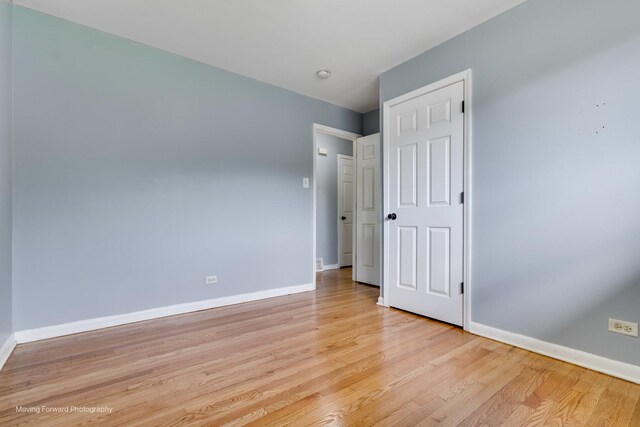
(408, 122)
(426, 163)
(347, 197)
(439, 172)
(367, 248)
(368, 188)
(368, 217)
(439, 112)
(408, 257)
(408, 177)
(439, 262)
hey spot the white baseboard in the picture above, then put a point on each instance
(611, 367)
(331, 267)
(6, 349)
(155, 313)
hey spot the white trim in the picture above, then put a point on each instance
(336, 132)
(154, 313)
(353, 209)
(318, 128)
(331, 267)
(354, 215)
(6, 349)
(465, 77)
(611, 367)
(468, 109)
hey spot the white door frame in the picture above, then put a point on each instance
(464, 77)
(353, 215)
(327, 130)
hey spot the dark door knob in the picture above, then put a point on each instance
(392, 216)
(344, 217)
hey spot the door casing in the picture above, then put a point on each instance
(318, 128)
(340, 225)
(465, 77)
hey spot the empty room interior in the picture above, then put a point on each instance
(345, 212)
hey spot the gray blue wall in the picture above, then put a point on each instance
(138, 173)
(371, 122)
(327, 196)
(556, 167)
(6, 172)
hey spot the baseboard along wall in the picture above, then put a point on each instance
(155, 313)
(611, 367)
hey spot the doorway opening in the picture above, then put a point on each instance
(333, 150)
(347, 222)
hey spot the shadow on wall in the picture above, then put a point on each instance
(371, 122)
(567, 190)
(618, 302)
(571, 211)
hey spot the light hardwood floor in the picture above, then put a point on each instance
(325, 357)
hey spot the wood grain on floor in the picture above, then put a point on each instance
(326, 357)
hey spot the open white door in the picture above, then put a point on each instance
(346, 182)
(368, 216)
(426, 214)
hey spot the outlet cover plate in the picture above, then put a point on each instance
(623, 327)
(210, 280)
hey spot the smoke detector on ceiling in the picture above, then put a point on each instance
(323, 74)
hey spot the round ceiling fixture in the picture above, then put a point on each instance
(323, 74)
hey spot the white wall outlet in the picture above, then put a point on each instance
(319, 264)
(624, 328)
(305, 182)
(210, 280)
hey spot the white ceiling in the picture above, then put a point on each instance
(284, 42)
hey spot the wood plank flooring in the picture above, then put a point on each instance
(326, 357)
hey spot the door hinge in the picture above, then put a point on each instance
(462, 288)
(462, 197)
(463, 107)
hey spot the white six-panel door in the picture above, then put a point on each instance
(368, 215)
(426, 181)
(346, 182)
